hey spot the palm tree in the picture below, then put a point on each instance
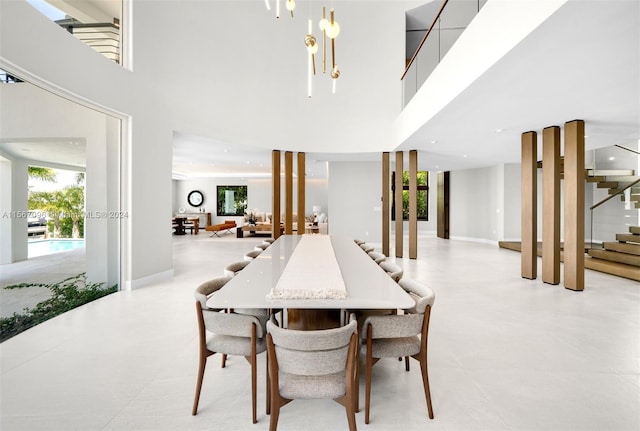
(72, 204)
(43, 174)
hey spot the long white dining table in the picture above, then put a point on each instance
(367, 285)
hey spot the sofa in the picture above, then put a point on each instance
(256, 217)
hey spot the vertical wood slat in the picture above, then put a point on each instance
(397, 197)
(551, 205)
(288, 192)
(529, 211)
(443, 205)
(301, 192)
(386, 187)
(574, 205)
(275, 184)
(413, 204)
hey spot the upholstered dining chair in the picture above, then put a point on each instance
(393, 269)
(227, 333)
(368, 248)
(269, 240)
(311, 365)
(235, 267)
(250, 255)
(397, 336)
(377, 256)
(359, 241)
(262, 246)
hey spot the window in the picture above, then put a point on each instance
(232, 200)
(423, 195)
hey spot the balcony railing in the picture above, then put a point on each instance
(102, 37)
(451, 20)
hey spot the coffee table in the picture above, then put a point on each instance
(255, 229)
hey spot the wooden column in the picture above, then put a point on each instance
(413, 204)
(443, 205)
(386, 187)
(288, 193)
(301, 192)
(574, 205)
(397, 197)
(551, 205)
(529, 210)
(275, 184)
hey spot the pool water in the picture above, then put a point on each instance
(49, 246)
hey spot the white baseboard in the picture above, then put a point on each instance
(149, 280)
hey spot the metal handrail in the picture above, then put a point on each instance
(628, 149)
(433, 23)
(615, 194)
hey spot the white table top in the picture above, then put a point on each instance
(368, 286)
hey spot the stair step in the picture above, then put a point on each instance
(607, 184)
(628, 237)
(610, 172)
(613, 268)
(634, 229)
(622, 247)
(615, 256)
(591, 179)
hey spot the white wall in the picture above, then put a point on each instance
(355, 200)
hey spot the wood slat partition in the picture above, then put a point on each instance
(551, 205)
(275, 184)
(288, 192)
(386, 188)
(413, 204)
(302, 174)
(397, 196)
(529, 195)
(443, 205)
(574, 205)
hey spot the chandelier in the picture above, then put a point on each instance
(330, 29)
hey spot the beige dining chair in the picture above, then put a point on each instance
(262, 246)
(397, 336)
(392, 269)
(235, 267)
(227, 333)
(312, 365)
(269, 240)
(377, 256)
(367, 247)
(359, 241)
(250, 255)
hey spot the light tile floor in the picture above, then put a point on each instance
(505, 354)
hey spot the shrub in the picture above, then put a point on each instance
(66, 295)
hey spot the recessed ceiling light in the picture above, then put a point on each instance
(464, 155)
(586, 136)
(225, 150)
(434, 142)
(499, 130)
(612, 158)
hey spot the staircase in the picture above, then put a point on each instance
(620, 258)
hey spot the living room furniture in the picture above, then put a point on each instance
(256, 229)
(227, 225)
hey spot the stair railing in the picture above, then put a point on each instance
(614, 195)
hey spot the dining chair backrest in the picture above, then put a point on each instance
(394, 270)
(377, 256)
(262, 246)
(233, 268)
(423, 295)
(367, 247)
(232, 325)
(311, 353)
(250, 255)
(206, 289)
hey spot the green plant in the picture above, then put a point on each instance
(66, 295)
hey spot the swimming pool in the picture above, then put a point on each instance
(49, 246)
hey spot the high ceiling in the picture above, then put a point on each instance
(582, 62)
